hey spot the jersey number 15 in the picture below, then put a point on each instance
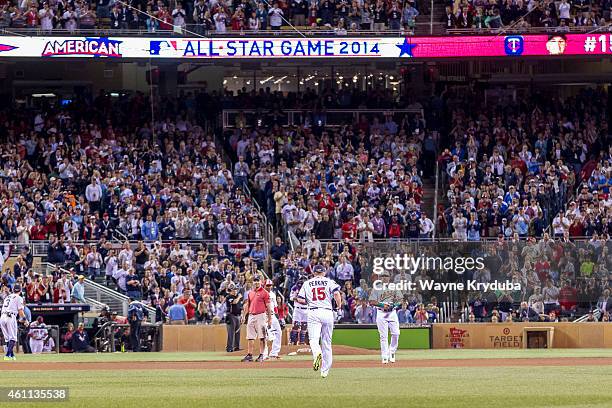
(318, 294)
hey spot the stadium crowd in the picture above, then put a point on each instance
(361, 181)
(516, 16)
(511, 171)
(245, 16)
(76, 173)
(204, 16)
(86, 176)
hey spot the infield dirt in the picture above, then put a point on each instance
(287, 363)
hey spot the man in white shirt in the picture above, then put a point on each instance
(111, 265)
(426, 227)
(94, 263)
(46, 17)
(220, 19)
(120, 276)
(365, 228)
(550, 295)
(560, 224)
(344, 270)
(93, 193)
(313, 244)
(276, 17)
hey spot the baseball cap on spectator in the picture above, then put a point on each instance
(269, 282)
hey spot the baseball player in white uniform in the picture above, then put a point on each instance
(275, 332)
(38, 335)
(12, 307)
(317, 294)
(386, 319)
(299, 318)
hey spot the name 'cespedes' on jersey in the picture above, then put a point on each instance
(12, 304)
(318, 292)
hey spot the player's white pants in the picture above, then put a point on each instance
(8, 325)
(320, 329)
(300, 314)
(387, 321)
(36, 346)
(277, 334)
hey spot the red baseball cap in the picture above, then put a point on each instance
(269, 282)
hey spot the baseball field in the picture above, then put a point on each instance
(424, 378)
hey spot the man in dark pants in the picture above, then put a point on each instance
(136, 315)
(234, 311)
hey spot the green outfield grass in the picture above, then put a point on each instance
(404, 354)
(385, 387)
(369, 388)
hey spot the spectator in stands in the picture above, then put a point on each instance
(79, 340)
(206, 310)
(78, 291)
(527, 314)
(179, 14)
(66, 346)
(187, 300)
(177, 314)
(94, 262)
(133, 285)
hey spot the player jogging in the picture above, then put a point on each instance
(12, 307)
(386, 319)
(317, 294)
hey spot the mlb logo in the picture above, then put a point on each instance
(513, 45)
(167, 48)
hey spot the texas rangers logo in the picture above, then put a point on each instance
(513, 45)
